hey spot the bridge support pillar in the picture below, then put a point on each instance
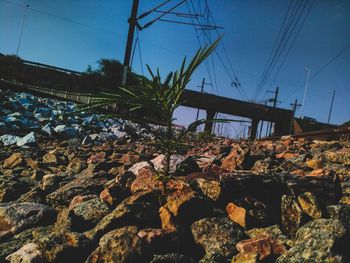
(209, 125)
(253, 129)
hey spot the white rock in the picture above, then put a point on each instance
(9, 139)
(29, 253)
(47, 129)
(27, 140)
(159, 162)
(137, 167)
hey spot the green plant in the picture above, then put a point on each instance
(159, 99)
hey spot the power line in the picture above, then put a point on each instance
(320, 69)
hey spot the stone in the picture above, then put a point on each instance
(79, 186)
(310, 205)
(8, 139)
(340, 156)
(146, 180)
(160, 160)
(171, 258)
(292, 215)
(236, 214)
(47, 129)
(314, 164)
(29, 253)
(186, 205)
(66, 131)
(263, 245)
(217, 235)
(251, 257)
(320, 240)
(28, 140)
(273, 231)
(62, 246)
(87, 214)
(11, 188)
(120, 245)
(50, 158)
(167, 219)
(50, 182)
(341, 213)
(187, 166)
(114, 194)
(137, 167)
(16, 217)
(129, 212)
(76, 165)
(13, 161)
(159, 240)
(77, 200)
(209, 188)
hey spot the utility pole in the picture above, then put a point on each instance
(274, 100)
(202, 90)
(20, 35)
(330, 110)
(262, 124)
(305, 90)
(132, 24)
(295, 105)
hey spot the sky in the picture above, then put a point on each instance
(76, 33)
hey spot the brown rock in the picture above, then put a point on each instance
(13, 161)
(96, 158)
(230, 162)
(314, 164)
(263, 245)
(319, 173)
(79, 199)
(210, 189)
(236, 214)
(292, 215)
(76, 165)
(167, 219)
(246, 258)
(310, 205)
(50, 158)
(287, 155)
(32, 164)
(146, 180)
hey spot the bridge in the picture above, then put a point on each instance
(212, 104)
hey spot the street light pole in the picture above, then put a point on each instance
(305, 90)
(20, 35)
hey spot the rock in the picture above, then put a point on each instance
(79, 186)
(209, 188)
(187, 166)
(321, 240)
(62, 246)
(263, 245)
(188, 206)
(15, 218)
(340, 212)
(36, 195)
(76, 165)
(340, 156)
(160, 160)
(137, 167)
(251, 257)
(159, 241)
(314, 164)
(171, 258)
(236, 214)
(87, 214)
(310, 205)
(50, 182)
(146, 180)
(129, 212)
(50, 158)
(217, 236)
(28, 140)
(120, 245)
(11, 188)
(167, 219)
(292, 215)
(8, 139)
(79, 199)
(66, 131)
(114, 194)
(47, 129)
(13, 161)
(29, 253)
(273, 231)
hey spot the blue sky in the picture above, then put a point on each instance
(76, 33)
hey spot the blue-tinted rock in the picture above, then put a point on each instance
(28, 140)
(8, 139)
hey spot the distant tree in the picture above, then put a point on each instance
(347, 123)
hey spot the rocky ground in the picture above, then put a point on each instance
(73, 189)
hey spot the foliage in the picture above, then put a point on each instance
(160, 99)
